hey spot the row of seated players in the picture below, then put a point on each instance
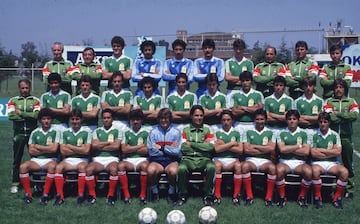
(177, 153)
(149, 66)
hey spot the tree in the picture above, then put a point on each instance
(284, 53)
(258, 55)
(29, 54)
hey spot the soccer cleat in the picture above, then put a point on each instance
(127, 201)
(217, 201)
(281, 203)
(14, 189)
(302, 202)
(349, 195)
(110, 201)
(249, 201)
(208, 200)
(142, 201)
(338, 203)
(268, 203)
(236, 201)
(44, 200)
(171, 199)
(182, 200)
(27, 199)
(318, 203)
(91, 200)
(80, 199)
(58, 201)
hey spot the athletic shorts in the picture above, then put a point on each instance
(225, 161)
(326, 165)
(135, 161)
(257, 161)
(75, 161)
(42, 162)
(163, 161)
(105, 160)
(292, 163)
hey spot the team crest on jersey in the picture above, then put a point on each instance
(89, 107)
(183, 69)
(111, 138)
(346, 109)
(48, 140)
(265, 140)
(152, 69)
(79, 142)
(151, 106)
(315, 109)
(233, 139)
(330, 145)
(244, 68)
(121, 67)
(60, 104)
(186, 104)
(282, 108)
(140, 141)
(299, 140)
(121, 102)
(251, 102)
(341, 71)
(213, 69)
(217, 105)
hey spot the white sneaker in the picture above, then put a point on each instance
(14, 189)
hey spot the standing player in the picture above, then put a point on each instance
(207, 64)
(176, 65)
(75, 145)
(259, 150)
(236, 65)
(134, 154)
(294, 149)
(23, 110)
(228, 149)
(105, 146)
(325, 153)
(43, 148)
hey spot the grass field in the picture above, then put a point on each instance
(13, 210)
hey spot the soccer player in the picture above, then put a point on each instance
(196, 148)
(294, 148)
(134, 153)
(118, 100)
(213, 101)
(259, 150)
(245, 102)
(75, 143)
(105, 146)
(23, 110)
(58, 101)
(325, 153)
(236, 65)
(228, 148)
(118, 62)
(297, 70)
(176, 65)
(343, 112)
(207, 64)
(88, 103)
(58, 65)
(337, 69)
(150, 103)
(265, 72)
(149, 66)
(164, 144)
(43, 148)
(180, 101)
(89, 68)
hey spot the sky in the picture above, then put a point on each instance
(72, 21)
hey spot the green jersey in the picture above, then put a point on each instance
(298, 137)
(326, 141)
(309, 107)
(86, 105)
(198, 149)
(27, 120)
(278, 106)
(232, 135)
(93, 70)
(123, 63)
(175, 102)
(79, 138)
(110, 135)
(133, 138)
(152, 103)
(211, 103)
(235, 67)
(264, 74)
(62, 67)
(120, 99)
(56, 101)
(40, 137)
(263, 137)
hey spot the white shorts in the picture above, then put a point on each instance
(75, 161)
(225, 161)
(326, 165)
(257, 161)
(292, 163)
(42, 162)
(135, 161)
(105, 160)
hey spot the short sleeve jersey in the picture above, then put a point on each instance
(298, 137)
(309, 107)
(278, 106)
(40, 137)
(211, 103)
(232, 135)
(86, 105)
(152, 103)
(176, 102)
(136, 138)
(120, 99)
(326, 141)
(109, 135)
(81, 137)
(235, 67)
(122, 63)
(56, 101)
(262, 137)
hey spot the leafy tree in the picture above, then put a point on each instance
(258, 54)
(29, 54)
(283, 53)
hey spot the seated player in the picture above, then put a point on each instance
(43, 148)
(134, 154)
(325, 153)
(228, 149)
(259, 150)
(294, 148)
(105, 146)
(75, 145)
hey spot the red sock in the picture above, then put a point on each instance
(217, 187)
(81, 183)
(340, 188)
(59, 184)
(304, 188)
(247, 184)
(124, 183)
(270, 186)
(317, 184)
(143, 184)
(49, 180)
(25, 182)
(90, 183)
(237, 184)
(112, 185)
(281, 188)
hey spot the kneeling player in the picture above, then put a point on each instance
(259, 147)
(43, 147)
(228, 149)
(325, 152)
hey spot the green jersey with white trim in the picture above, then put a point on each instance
(326, 141)
(298, 137)
(120, 99)
(81, 137)
(232, 135)
(175, 102)
(86, 105)
(57, 102)
(278, 106)
(133, 138)
(40, 137)
(123, 63)
(109, 135)
(235, 67)
(211, 103)
(263, 137)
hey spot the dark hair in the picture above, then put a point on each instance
(292, 113)
(301, 43)
(107, 110)
(196, 107)
(85, 78)
(211, 77)
(118, 40)
(324, 116)
(280, 79)
(246, 75)
(271, 47)
(239, 44)
(260, 112)
(54, 77)
(208, 43)
(342, 83)
(308, 81)
(147, 43)
(335, 47)
(26, 81)
(178, 42)
(76, 113)
(164, 112)
(148, 80)
(181, 75)
(116, 74)
(136, 113)
(44, 112)
(89, 49)
(228, 112)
